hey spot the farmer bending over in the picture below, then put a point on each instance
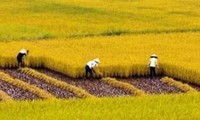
(153, 64)
(89, 68)
(20, 56)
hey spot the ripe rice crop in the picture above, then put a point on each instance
(79, 31)
(33, 20)
(4, 96)
(122, 56)
(156, 107)
(180, 85)
(133, 90)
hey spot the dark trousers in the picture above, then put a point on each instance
(88, 70)
(152, 72)
(20, 59)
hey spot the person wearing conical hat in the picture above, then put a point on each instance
(89, 68)
(20, 56)
(153, 64)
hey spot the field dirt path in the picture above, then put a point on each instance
(93, 86)
(16, 92)
(152, 86)
(56, 91)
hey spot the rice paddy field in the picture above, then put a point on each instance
(62, 36)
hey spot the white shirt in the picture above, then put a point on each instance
(92, 64)
(23, 51)
(153, 62)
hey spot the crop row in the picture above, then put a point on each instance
(78, 91)
(180, 85)
(4, 96)
(133, 90)
(41, 93)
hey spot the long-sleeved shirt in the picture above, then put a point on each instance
(153, 62)
(92, 64)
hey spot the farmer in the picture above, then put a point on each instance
(153, 64)
(89, 68)
(20, 56)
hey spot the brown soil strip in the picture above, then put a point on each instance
(93, 86)
(152, 86)
(17, 92)
(56, 91)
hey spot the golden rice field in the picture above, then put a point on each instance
(121, 56)
(36, 19)
(63, 35)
